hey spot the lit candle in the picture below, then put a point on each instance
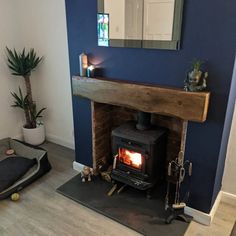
(90, 71)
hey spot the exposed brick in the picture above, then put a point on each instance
(106, 117)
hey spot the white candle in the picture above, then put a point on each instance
(83, 64)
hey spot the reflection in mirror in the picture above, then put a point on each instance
(125, 18)
(103, 29)
(158, 19)
(140, 23)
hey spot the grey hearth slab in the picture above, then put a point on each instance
(130, 208)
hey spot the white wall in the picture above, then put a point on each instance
(40, 25)
(43, 25)
(10, 118)
(229, 179)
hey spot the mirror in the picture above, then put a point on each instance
(140, 23)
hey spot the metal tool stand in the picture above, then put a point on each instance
(176, 171)
(176, 214)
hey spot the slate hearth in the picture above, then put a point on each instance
(130, 208)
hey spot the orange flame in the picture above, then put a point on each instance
(136, 158)
(131, 158)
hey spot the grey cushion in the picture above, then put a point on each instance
(12, 169)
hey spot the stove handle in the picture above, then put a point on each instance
(115, 161)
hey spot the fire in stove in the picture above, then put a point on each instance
(130, 158)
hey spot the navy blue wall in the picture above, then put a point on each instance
(225, 137)
(208, 33)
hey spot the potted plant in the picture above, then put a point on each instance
(22, 64)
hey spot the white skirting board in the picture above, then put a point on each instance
(198, 216)
(228, 198)
(206, 219)
(18, 137)
(60, 141)
(201, 217)
(77, 166)
(53, 139)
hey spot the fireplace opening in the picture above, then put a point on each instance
(134, 156)
(139, 155)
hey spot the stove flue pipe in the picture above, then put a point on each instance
(143, 121)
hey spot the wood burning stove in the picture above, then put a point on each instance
(139, 154)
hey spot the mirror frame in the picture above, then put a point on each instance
(174, 44)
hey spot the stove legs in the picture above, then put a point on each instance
(149, 193)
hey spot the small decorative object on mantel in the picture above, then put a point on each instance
(86, 174)
(83, 64)
(196, 78)
(91, 71)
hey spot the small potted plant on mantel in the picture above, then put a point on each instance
(22, 64)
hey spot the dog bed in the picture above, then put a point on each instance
(26, 165)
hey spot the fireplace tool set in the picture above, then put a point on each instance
(177, 171)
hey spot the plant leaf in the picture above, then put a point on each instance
(22, 63)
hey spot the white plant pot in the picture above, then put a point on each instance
(34, 136)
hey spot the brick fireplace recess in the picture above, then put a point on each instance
(138, 152)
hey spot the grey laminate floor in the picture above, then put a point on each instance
(42, 211)
(222, 224)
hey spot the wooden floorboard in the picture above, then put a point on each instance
(42, 211)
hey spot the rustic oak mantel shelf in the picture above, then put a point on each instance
(189, 106)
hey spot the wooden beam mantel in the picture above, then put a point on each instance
(189, 106)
